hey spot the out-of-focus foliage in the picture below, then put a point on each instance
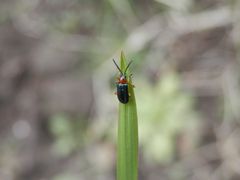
(177, 5)
(69, 134)
(57, 102)
(66, 177)
(165, 112)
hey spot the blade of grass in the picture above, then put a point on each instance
(127, 150)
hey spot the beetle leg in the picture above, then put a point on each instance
(117, 81)
(131, 76)
(132, 85)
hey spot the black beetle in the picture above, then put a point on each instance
(122, 85)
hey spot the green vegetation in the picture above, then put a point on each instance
(164, 113)
(127, 151)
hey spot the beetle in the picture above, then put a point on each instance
(122, 85)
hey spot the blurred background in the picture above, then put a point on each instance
(58, 111)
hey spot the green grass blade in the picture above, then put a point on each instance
(127, 150)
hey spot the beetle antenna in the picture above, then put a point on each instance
(117, 67)
(127, 67)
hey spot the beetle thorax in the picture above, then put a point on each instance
(122, 80)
